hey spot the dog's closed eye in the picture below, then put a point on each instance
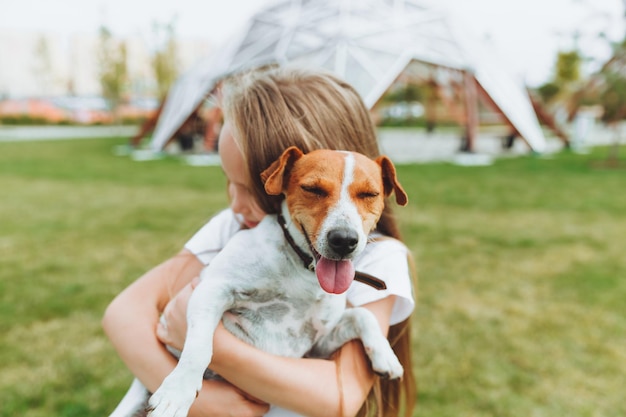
(364, 195)
(315, 190)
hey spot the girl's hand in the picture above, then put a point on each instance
(175, 318)
(219, 398)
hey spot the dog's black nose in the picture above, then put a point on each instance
(343, 241)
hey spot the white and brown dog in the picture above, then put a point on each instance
(333, 200)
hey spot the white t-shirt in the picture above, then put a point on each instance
(385, 259)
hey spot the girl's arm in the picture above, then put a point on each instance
(312, 387)
(130, 322)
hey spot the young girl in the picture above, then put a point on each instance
(264, 113)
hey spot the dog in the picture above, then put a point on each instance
(260, 289)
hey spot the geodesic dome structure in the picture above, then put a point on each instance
(368, 43)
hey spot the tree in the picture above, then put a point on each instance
(548, 91)
(613, 91)
(566, 78)
(164, 59)
(568, 66)
(113, 72)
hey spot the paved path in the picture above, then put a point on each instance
(401, 145)
(411, 145)
(24, 133)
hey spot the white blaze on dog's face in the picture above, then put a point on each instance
(356, 207)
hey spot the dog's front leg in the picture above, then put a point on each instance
(360, 323)
(204, 312)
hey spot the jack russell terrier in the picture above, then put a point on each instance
(333, 200)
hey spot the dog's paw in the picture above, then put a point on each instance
(172, 399)
(385, 363)
(162, 405)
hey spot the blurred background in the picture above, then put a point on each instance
(71, 62)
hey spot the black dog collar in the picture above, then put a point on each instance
(307, 259)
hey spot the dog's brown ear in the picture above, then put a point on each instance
(390, 181)
(274, 176)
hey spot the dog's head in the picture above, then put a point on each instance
(335, 198)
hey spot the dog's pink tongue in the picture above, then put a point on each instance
(334, 277)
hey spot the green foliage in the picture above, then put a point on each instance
(568, 67)
(607, 87)
(25, 120)
(613, 98)
(613, 90)
(113, 72)
(416, 122)
(565, 79)
(164, 58)
(520, 264)
(548, 91)
(408, 92)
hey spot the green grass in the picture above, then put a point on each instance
(521, 266)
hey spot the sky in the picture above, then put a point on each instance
(527, 34)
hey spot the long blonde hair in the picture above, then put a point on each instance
(272, 109)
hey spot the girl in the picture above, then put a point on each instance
(264, 113)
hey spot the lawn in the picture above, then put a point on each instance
(522, 271)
